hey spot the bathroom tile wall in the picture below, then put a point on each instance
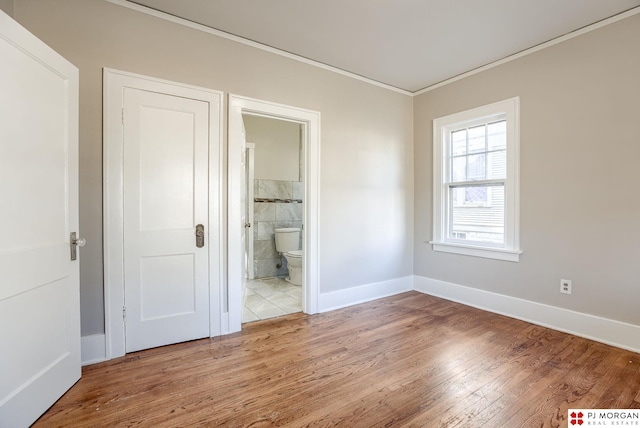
(268, 216)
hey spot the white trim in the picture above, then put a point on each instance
(247, 42)
(610, 332)
(508, 110)
(114, 81)
(310, 120)
(470, 250)
(534, 49)
(93, 349)
(364, 293)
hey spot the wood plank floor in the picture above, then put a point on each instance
(407, 360)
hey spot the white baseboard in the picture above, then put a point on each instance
(363, 293)
(93, 349)
(611, 332)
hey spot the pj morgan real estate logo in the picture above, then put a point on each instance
(603, 418)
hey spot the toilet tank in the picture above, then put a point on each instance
(287, 239)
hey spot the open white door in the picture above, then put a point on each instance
(39, 285)
(237, 216)
(245, 207)
(249, 223)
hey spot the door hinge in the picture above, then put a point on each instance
(123, 115)
(124, 313)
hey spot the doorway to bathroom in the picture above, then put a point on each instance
(274, 171)
(276, 205)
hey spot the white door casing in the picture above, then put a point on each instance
(310, 121)
(165, 197)
(39, 284)
(116, 84)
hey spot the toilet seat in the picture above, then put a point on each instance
(294, 253)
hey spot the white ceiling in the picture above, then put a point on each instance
(408, 44)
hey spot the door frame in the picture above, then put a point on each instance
(310, 121)
(114, 81)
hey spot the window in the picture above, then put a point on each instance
(476, 186)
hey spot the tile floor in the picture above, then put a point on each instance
(270, 297)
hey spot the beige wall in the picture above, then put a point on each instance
(7, 6)
(580, 153)
(367, 141)
(277, 151)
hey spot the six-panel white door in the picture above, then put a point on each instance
(166, 274)
(39, 285)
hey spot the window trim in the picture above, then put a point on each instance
(510, 251)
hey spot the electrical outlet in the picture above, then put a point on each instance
(565, 286)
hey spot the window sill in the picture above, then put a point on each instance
(471, 250)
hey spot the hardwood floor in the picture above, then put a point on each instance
(406, 360)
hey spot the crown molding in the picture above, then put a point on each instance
(289, 55)
(541, 46)
(247, 42)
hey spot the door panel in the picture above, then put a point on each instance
(178, 296)
(34, 150)
(165, 197)
(166, 168)
(39, 285)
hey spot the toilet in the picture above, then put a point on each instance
(288, 244)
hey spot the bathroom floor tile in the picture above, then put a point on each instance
(251, 283)
(264, 309)
(267, 292)
(257, 303)
(248, 315)
(286, 300)
(295, 292)
(291, 309)
(270, 297)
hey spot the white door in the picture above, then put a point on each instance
(166, 268)
(244, 201)
(249, 225)
(39, 286)
(236, 217)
